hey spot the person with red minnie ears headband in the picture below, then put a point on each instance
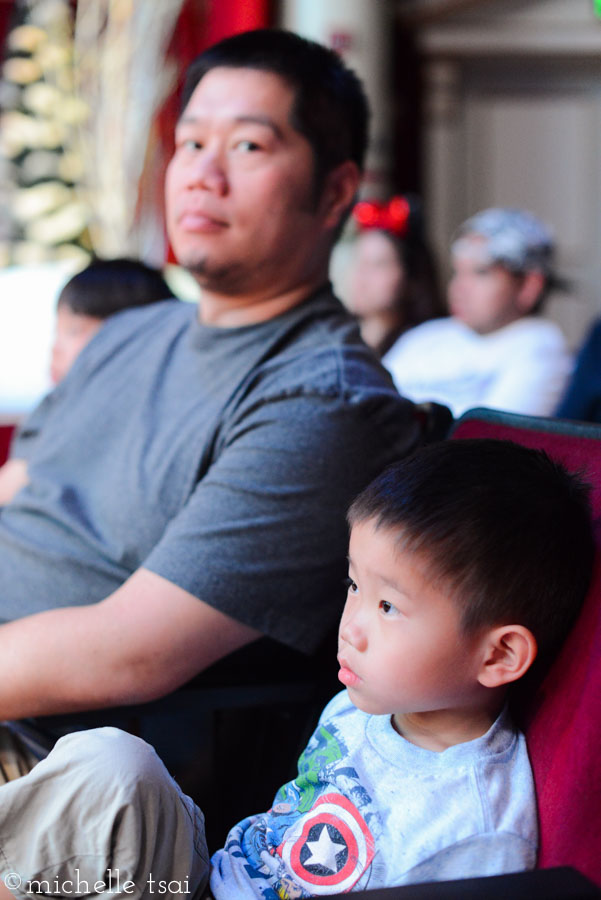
(393, 284)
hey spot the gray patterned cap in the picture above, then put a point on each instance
(513, 238)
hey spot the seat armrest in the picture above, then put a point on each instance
(562, 883)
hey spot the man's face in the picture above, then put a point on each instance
(241, 214)
(482, 294)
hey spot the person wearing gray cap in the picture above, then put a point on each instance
(494, 349)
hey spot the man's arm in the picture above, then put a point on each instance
(143, 641)
(13, 476)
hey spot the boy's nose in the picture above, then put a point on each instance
(352, 631)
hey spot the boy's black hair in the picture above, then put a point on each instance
(330, 108)
(507, 529)
(107, 286)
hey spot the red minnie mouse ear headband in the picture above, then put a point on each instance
(392, 216)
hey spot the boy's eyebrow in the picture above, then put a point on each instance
(258, 119)
(393, 584)
(387, 581)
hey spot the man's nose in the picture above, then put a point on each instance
(208, 172)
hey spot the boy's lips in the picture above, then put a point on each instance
(346, 674)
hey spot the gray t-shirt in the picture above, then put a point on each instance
(222, 459)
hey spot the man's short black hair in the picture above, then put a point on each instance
(107, 286)
(330, 107)
(504, 527)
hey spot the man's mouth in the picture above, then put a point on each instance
(200, 222)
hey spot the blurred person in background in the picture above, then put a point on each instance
(582, 399)
(104, 288)
(494, 350)
(393, 283)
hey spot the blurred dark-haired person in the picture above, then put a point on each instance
(582, 399)
(104, 288)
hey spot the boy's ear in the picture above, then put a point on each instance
(509, 652)
(339, 191)
(531, 288)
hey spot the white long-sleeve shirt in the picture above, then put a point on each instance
(520, 368)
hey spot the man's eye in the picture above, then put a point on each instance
(350, 585)
(190, 144)
(247, 146)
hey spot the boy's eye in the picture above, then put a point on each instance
(350, 585)
(387, 607)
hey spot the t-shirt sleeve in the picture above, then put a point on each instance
(263, 537)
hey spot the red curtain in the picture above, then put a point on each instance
(225, 17)
(5, 14)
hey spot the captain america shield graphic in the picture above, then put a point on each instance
(329, 848)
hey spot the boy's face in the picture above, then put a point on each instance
(483, 295)
(72, 332)
(401, 649)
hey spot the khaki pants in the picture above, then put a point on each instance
(100, 813)
(16, 758)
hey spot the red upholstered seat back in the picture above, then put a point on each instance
(562, 715)
(6, 433)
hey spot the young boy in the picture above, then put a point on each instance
(103, 288)
(493, 350)
(466, 560)
(88, 299)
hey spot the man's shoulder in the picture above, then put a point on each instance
(136, 332)
(138, 317)
(320, 351)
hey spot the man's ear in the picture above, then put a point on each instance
(509, 651)
(339, 191)
(532, 286)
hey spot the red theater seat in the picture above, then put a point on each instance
(561, 715)
(6, 434)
